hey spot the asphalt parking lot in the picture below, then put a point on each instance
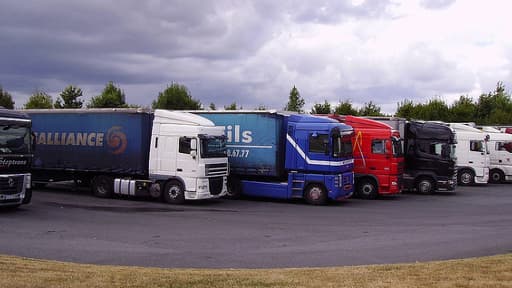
(66, 225)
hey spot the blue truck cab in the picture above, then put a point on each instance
(284, 156)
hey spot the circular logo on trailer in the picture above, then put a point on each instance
(116, 140)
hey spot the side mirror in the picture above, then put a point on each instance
(34, 141)
(193, 148)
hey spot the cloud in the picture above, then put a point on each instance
(436, 4)
(254, 52)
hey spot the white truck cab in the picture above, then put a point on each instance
(500, 148)
(472, 154)
(188, 152)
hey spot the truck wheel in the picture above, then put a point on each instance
(496, 176)
(102, 186)
(315, 194)
(425, 186)
(466, 177)
(174, 193)
(234, 188)
(367, 189)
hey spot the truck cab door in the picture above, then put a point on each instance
(186, 159)
(163, 155)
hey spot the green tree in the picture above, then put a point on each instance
(345, 108)
(370, 109)
(463, 110)
(111, 97)
(495, 107)
(212, 106)
(435, 110)
(6, 99)
(69, 98)
(261, 107)
(176, 97)
(39, 100)
(324, 108)
(233, 106)
(295, 101)
(407, 109)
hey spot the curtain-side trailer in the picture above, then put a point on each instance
(175, 156)
(285, 156)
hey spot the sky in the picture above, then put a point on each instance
(254, 52)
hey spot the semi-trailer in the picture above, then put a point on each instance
(429, 151)
(173, 156)
(378, 156)
(280, 155)
(16, 148)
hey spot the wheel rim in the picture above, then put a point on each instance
(315, 193)
(174, 192)
(102, 187)
(465, 178)
(496, 177)
(425, 186)
(367, 189)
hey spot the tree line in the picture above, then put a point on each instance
(494, 107)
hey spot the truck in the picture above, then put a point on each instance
(472, 154)
(16, 148)
(378, 156)
(283, 156)
(500, 152)
(429, 152)
(168, 155)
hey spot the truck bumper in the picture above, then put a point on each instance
(446, 185)
(11, 200)
(16, 189)
(208, 188)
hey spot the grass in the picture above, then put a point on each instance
(494, 271)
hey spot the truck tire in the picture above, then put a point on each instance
(466, 177)
(496, 176)
(425, 185)
(102, 186)
(174, 193)
(315, 194)
(234, 188)
(367, 189)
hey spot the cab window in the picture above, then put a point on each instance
(185, 145)
(378, 146)
(477, 146)
(318, 143)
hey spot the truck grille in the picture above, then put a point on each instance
(216, 184)
(213, 170)
(11, 185)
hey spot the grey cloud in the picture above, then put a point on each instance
(436, 4)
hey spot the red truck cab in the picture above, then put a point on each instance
(378, 157)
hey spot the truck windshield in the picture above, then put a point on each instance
(397, 146)
(341, 146)
(14, 139)
(212, 147)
